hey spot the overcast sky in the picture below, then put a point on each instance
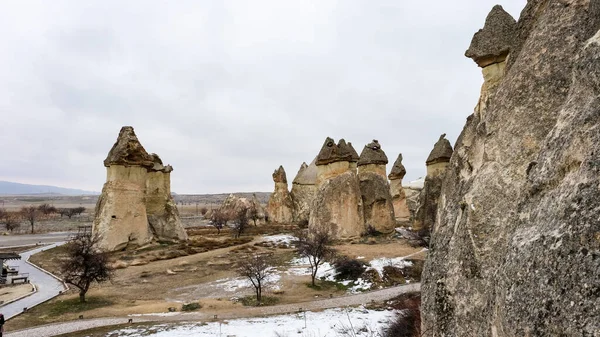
(226, 91)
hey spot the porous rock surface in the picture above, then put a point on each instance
(401, 211)
(337, 203)
(515, 249)
(375, 189)
(492, 43)
(280, 206)
(135, 206)
(303, 191)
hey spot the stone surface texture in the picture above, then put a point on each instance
(401, 211)
(492, 43)
(135, 206)
(303, 192)
(338, 202)
(515, 250)
(280, 206)
(375, 190)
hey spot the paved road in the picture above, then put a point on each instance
(47, 285)
(32, 239)
(349, 300)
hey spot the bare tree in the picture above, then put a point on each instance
(11, 220)
(218, 219)
(85, 264)
(30, 214)
(240, 223)
(203, 210)
(316, 247)
(256, 269)
(253, 211)
(47, 209)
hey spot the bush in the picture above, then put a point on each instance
(414, 272)
(408, 321)
(348, 269)
(393, 276)
(191, 306)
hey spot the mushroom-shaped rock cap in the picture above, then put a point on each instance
(372, 154)
(492, 43)
(279, 175)
(355, 156)
(346, 152)
(442, 151)
(128, 151)
(398, 171)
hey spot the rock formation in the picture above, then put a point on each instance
(338, 202)
(303, 192)
(280, 206)
(375, 190)
(233, 205)
(412, 190)
(515, 249)
(437, 162)
(122, 217)
(401, 211)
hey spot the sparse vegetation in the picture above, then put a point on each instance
(218, 219)
(240, 223)
(85, 264)
(191, 306)
(348, 269)
(256, 269)
(30, 214)
(407, 323)
(250, 301)
(316, 247)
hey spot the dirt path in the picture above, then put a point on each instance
(349, 300)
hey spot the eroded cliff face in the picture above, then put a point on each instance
(515, 249)
(303, 192)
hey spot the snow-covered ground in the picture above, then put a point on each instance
(333, 322)
(280, 238)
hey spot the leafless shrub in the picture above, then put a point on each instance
(256, 269)
(85, 264)
(316, 247)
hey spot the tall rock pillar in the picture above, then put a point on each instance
(401, 211)
(303, 192)
(338, 203)
(163, 215)
(121, 219)
(280, 206)
(375, 190)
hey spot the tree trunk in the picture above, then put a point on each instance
(81, 296)
(32, 228)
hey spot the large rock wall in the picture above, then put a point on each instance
(162, 212)
(338, 205)
(516, 246)
(121, 219)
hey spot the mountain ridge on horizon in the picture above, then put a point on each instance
(13, 188)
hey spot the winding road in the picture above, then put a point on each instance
(47, 285)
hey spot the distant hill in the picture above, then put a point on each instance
(10, 188)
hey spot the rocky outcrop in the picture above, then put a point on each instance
(412, 190)
(401, 211)
(437, 162)
(304, 188)
(122, 218)
(375, 190)
(280, 206)
(515, 249)
(338, 202)
(161, 210)
(233, 205)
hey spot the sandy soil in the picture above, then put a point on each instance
(12, 292)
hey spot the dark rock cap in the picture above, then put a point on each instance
(158, 164)
(372, 154)
(355, 156)
(398, 171)
(331, 153)
(442, 151)
(492, 43)
(279, 175)
(128, 151)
